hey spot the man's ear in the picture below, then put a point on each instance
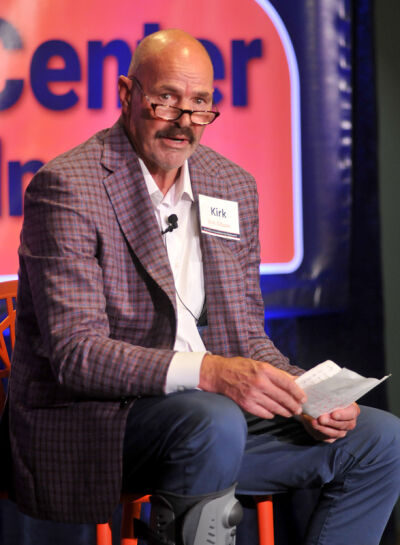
(124, 92)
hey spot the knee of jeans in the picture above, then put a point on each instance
(392, 439)
(219, 422)
(383, 432)
(385, 426)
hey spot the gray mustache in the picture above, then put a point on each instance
(177, 133)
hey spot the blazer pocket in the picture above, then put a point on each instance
(237, 248)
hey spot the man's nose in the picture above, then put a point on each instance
(184, 120)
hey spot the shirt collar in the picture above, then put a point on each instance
(181, 190)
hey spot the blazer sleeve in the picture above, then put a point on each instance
(261, 346)
(62, 299)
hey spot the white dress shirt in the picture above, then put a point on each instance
(184, 254)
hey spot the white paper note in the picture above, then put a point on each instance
(330, 387)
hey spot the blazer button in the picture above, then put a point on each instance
(123, 402)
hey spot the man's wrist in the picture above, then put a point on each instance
(209, 372)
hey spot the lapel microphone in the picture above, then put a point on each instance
(172, 224)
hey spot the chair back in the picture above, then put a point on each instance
(8, 297)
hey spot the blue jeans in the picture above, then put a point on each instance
(195, 442)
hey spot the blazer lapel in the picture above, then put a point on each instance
(205, 181)
(223, 276)
(225, 301)
(129, 196)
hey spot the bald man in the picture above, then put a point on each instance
(141, 361)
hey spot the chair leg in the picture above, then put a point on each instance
(130, 511)
(265, 520)
(103, 534)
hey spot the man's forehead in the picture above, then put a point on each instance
(178, 76)
(200, 89)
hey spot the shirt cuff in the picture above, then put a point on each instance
(184, 371)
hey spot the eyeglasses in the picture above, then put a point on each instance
(172, 113)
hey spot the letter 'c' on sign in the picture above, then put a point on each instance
(11, 40)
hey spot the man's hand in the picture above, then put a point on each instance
(257, 387)
(331, 426)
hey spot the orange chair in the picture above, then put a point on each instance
(265, 517)
(8, 294)
(131, 504)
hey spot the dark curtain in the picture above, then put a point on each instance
(354, 337)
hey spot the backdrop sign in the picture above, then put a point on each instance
(59, 85)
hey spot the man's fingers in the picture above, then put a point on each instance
(341, 419)
(330, 431)
(279, 393)
(321, 433)
(328, 422)
(282, 404)
(329, 427)
(264, 407)
(348, 413)
(268, 397)
(257, 410)
(288, 384)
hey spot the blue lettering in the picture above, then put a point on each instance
(149, 28)
(13, 87)
(97, 53)
(241, 55)
(16, 172)
(218, 65)
(41, 75)
(219, 212)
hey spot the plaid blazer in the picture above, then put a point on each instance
(96, 316)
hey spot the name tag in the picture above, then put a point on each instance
(219, 217)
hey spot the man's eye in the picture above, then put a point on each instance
(200, 103)
(165, 97)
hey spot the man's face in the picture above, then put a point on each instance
(180, 80)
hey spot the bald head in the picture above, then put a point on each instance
(171, 43)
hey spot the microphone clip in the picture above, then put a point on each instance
(172, 224)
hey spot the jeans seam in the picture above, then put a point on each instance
(322, 533)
